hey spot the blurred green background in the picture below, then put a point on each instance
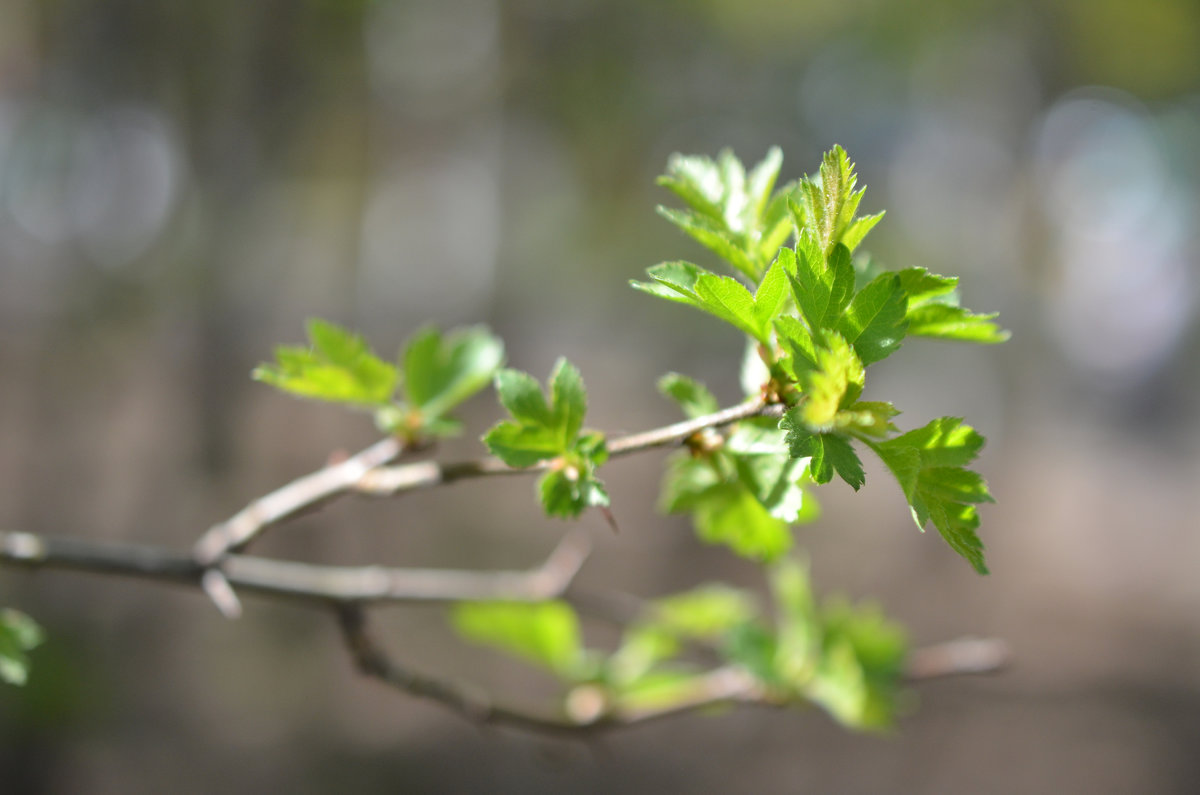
(182, 184)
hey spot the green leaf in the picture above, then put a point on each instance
(798, 625)
(858, 229)
(934, 311)
(566, 492)
(874, 322)
(798, 345)
(544, 633)
(692, 396)
(733, 214)
(863, 693)
(442, 372)
(759, 184)
(697, 180)
(540, 432)
(570, 400)
(714, 236)
(674, 281)
(729, 514)
(339, 367)
(775, 480)
(827, 452)
(720, 296)
(830, 201)
(772, 291)
(728, 299)
(929, 465)
(822, 285)
(955, 323)
(777, 222)
(833, 384)
(19, 634)
(849, 660)
(521, 394)
(686, 481)
(522, 445)
(703, 613)
(922, 287)
(867, 418)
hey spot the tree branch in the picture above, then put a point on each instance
(303, 493)
(304, 581)
(721, 686)
(391, 480)
(367, 473)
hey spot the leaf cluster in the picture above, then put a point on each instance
(818, 320)
(847, 659)
(412, 397)
(551, 434)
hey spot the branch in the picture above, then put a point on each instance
(721, 686)
(391, 480)
(962, 657)
(586, 712)
(303, 493)
(304, 582)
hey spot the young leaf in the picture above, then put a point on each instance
(728, 299)
(929, 463)
(565, 493)
(442, 372)
(692, 396)
(833, 384)
(827, 452)
(570, 401)
(955, 323)
(777, 222)
(729, 514)
(867, 418)
(829, 200)
(874, 323)
(864, 694)
(545, 633)
(772, 291)
(674, 281)
(923, 287)
(775, 481)
(339, 367)
(521, 394)
(697, 180)
(538, 431)
(721, 296)
(822, 285)
(714, 236)
(933, 310)
(523, 445)
(858, 229)
(797, 343)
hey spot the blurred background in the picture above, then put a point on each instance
(182, 184)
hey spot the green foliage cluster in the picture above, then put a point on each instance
(843, 658)
(816, 317)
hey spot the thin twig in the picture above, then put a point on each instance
(367, 473)
(239, 530)
(300, 495)
(962, 657)
(721, 686)
(392, 480)
(304, 581)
